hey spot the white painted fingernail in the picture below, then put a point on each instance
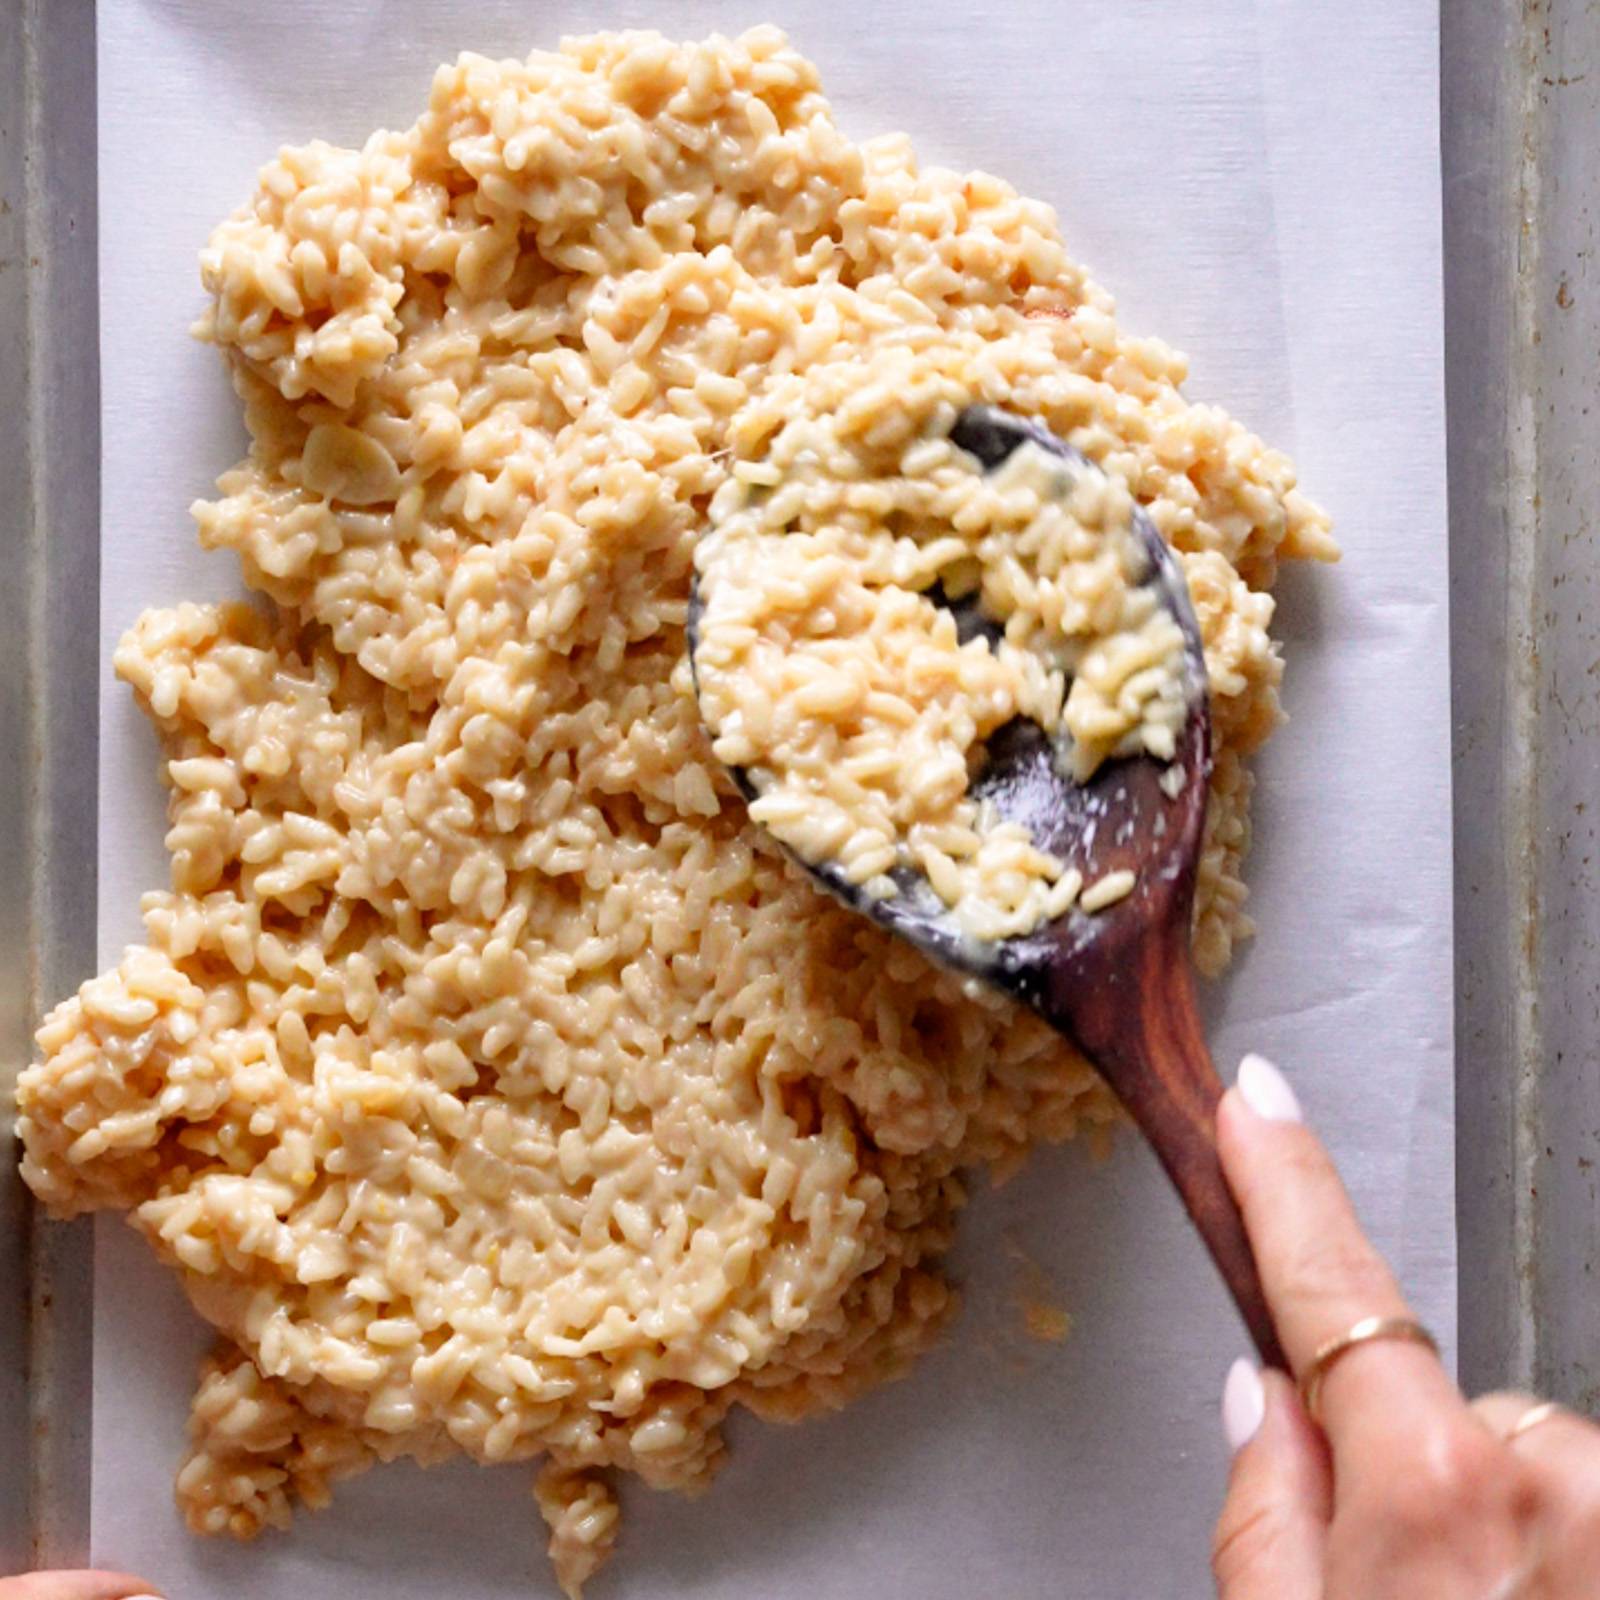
(1244, 1403)
(1266, 1091)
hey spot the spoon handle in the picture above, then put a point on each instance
(1144, 1034)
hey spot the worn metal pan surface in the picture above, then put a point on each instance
(1522, 293)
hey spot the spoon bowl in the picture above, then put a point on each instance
(1117, 982)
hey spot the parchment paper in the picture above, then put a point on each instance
(1258, 182)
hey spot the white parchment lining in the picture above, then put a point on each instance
(1258, 182)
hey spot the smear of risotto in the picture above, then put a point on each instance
(829, 663)
(490, 1082)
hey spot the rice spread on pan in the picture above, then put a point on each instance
(491, 1081)
(832, 678)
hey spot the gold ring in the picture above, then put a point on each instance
(1532, 1417)
(1364, 1332)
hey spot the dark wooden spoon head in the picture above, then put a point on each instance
(1117, 982)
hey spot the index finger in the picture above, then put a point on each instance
(1321, 1273)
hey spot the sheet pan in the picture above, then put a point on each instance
(1508, 101)
(49, 532)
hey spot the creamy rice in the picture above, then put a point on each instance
(843, 692)
(492, 1084)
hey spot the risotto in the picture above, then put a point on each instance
(830, 666)
(491, 1082)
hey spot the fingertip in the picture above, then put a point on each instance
(1242, 1136)
(1244, 1404)
(1266, 1092)
(80, 1584)
(1252, 1396)
(1269, 1536)
(122, 1586)
(1262, 1133)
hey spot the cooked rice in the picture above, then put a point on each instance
(489, 1080)
(828, 675)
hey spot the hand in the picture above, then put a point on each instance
(1405, 1491)
(75, 1586)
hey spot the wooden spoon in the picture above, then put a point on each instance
(1118, 982)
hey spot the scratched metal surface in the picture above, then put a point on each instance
(1522, 294)
(49, 468)
(1522, 193)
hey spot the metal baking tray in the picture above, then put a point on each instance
(49, 531)
(1521, 92)
(1522, 332)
